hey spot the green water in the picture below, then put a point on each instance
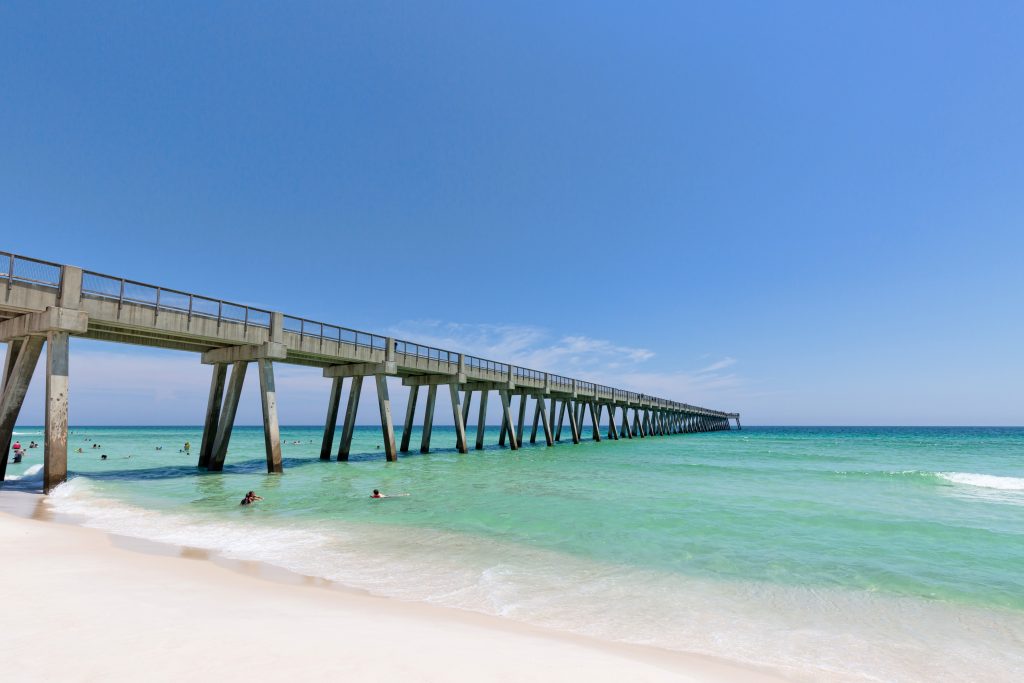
(755, 545)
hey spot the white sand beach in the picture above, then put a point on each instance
(80, 605)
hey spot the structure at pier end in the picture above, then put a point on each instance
(43, 304)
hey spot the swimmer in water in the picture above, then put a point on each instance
(250, 498)
(377, 494)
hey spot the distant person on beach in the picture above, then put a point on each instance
(250, 498)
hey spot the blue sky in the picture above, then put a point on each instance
(811, 213)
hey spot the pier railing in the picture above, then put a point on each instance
(14, 268)
(36, 272)
(121, 290)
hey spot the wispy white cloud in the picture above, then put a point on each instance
(597, 360)
(718, 365)
(524, 345)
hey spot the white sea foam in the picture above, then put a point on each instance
(809, 633)
(988, 481)
(33, 473)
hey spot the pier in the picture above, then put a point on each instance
(44, 304)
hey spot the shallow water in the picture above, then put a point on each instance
(879, 553)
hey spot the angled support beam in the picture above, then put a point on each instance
(536, 418)
(457, 415)
(410, 413)
(558, 407)
(21, 361)
(428, 418)
(213, 407)
(271, 427)
(522, 419)
(574, 424)
(355, 389)
(467, 400)
(227, 417)
(507, 411)
(481, 424)
(595, 418)
(545, 420)
(333, 403)
(627, 430)
(613, 431)
(387, 427)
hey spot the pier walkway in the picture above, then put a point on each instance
(44, 304)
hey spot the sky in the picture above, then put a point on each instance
(809, 213)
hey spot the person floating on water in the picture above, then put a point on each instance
(103, 457)
(187, 446)
(250, 498)
(378, 494)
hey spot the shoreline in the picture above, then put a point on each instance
(231, 616)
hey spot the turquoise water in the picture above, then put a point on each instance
(885, 553)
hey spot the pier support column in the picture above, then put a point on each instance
(638, 425)
(227, 416)
(55, 440)
(410, 416)
(627, 429)
(457, 415)
(22, 358)
(271, 427)
(507, 411)
(333, 403)
(428, 419)
(481, 423)
(355, 389)
(387, 426)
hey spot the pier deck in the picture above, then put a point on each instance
(44, 304)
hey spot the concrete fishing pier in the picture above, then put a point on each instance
(45, 304)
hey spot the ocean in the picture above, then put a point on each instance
(825, 553)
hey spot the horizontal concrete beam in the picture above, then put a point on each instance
(362, 369)
(53, 319)
(238, 354)
(429, 380)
